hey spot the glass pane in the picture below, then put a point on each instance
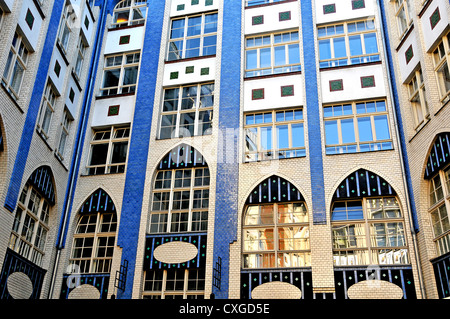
(192, 48)
(325, 49)
(119, 154)
(339, 47)
(298, 139)
(370, 43)
(355, 45)
(280, 55)
(210, 23)
(294, 53)
(283, 136)
(331, 133)
(98, 154)
(266, 138)
(265, 58)
(348, 132)
(177, 29)
(381, 127)
(251, 59)
(111, 78)
(365, 129)
(194, 26)
(130, 75)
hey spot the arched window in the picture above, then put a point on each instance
(275, 227)
(30, 227)
(367, 223)
(180, 197)
(95, 234)
(438, 174)
(129, 12)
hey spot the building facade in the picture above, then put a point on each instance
(224, 149)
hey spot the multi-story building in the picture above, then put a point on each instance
(224, 149)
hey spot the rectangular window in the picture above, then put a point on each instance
(441, 68)
(174, 284)
(65, 129)
(16, 65)
(272, 54)
(109, 149)
(357, 127)
(193, 36)
(274, 135)
(81, 51)
(46, 112)
(403, 15)
(417, 98)
(348, 43)
(64, 29)
(120, 74)
(187, 111)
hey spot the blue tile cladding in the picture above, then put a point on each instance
(313, 115)
(33, 107)
(399, 118)
(226, 207)
(130, 219)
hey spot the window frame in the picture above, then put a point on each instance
(403, 6)
(418, 100)
(272, 45)
(163, 220)
(348, 59)
(275, 152)
(270, 257)
(47, 109)
(110, 141)
(120, 88)
(366, 236)
(18, 56)
(179, 130)
(129, 6)
(441, 60)
(64, 135)
(373, 145)
(174, 55)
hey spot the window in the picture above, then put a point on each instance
(180, 200)
(120, 74)
(439, 194)
(348, 43)
(93, 242)
(16, 65)
(276, 235)
(187, 111)
(193, 36)
(368, 231)
(417, 98)
(30, 227)
(46, 112)
(81, 51)
(64, 29)
(129, 12)
(441, 69)
(251, 3)
(403, 15)
(272, 54)
(109, 149)
(65, 129)
(274, 135)
(357, 127)
(174, 284)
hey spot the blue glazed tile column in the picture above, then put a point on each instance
(313, 114)
(225, 223)
(33, 107)
(139, 143)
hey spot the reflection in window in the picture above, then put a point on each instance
(368, 231)
(120, 74)
(129, 12)
(174, 284)
(357, 127)
(276, 236)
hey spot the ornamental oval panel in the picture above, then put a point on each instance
(175, 252)
(276, 290)
(375, 289)
(19, 285)
(84, 292)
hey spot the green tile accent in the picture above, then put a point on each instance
(409, 54)
(113, 110)
(125, 39)
(284, 16)
(57, 68)
(329, 8)
(258, 94)
(435, 18)
(257, 20)
(336, 85)
(208, 2)
(173, 75)
(180, 7)
(367, 81)
(287, 90)
(358, 4)
(29, 19)
(189, 69)
(194, 2)
(204, 71)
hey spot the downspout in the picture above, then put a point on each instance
(79, 145)
(400, 150)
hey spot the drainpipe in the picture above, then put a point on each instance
(402, 162)
(84, 115)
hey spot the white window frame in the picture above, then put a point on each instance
(121, 66)
(64, 136)
(17, 61)
(441, 59)
(47, 110)
(129, 6)
(403, 7)
(418, 100)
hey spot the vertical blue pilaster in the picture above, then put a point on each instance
(33, 107)
(226, 204)
(130, 219)
(399, 116)
(313, 114)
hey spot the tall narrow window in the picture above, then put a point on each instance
(417, 97)
(16, 65)
(65, 129)
(120, 74)
(47, 110)
(403, 15)
(95, 234)
(81, 51)
(193, 36)
(441, 68)
(64, 28)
